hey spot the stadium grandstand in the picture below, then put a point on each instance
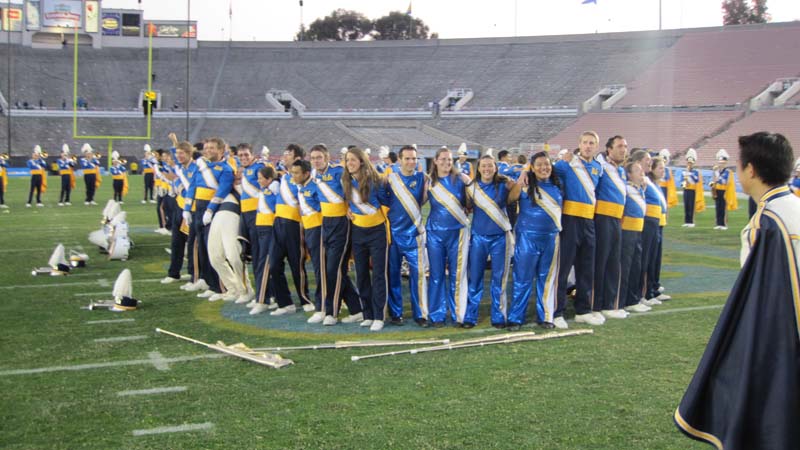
(661, 89)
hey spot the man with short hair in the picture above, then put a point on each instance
(335, 240)
(404, 193)
(66, 169)
(90, 166)
(288, 242)
(745, 393)
(38, 170)
(182, 238)
(579, 177)
(247, 183)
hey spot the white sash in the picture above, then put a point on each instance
(636, 195)
(247, 186)
(305, 209)
(490, 207)
(208, 176)
(660, 193)
(583, 176)
(550, 206)
(364, 208)
(184, 181)
(613, 173)
(449, 201)
(330, 195)
(263, 206)
(286, 192)
(407, 200)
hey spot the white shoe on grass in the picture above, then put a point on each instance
(353, 318)
(291, 309)
(377, 325)
(560, 323)
(258, 309)
(317, 317)
(588, 319)
(329, 321)
(366, 323)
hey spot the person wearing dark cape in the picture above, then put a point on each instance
(745, 393)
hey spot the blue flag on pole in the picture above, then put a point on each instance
(588, 1)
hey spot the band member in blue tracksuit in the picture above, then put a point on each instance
(38, 169)
(611, 191)
(147, 170)
(447, 241)
(579, 178)
(308, 198)
(287, 241)
(630, 289)
(362, 186)
(693, 199)
(184, 169)
(462, 165)
(491, 237)
(537, 245)
(336, 240)
(404, 194)
(250, 191)
(66, 169)
(265, 218)
(90, 166)
(723, 190)
(655, 219)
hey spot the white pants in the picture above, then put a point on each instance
(224, 251)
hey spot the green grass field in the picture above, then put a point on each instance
(615, 389)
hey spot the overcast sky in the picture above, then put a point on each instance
(279, 20)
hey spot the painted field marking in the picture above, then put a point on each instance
(166, 390)
(121, 338)
(103, 282)
(679, 310)
(175, 429)
(90, 294)
(92, 322)
(133, 362)
(158, 360)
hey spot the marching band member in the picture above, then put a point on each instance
(119, 176)
(610, 192)
(147, 164)
(579, 176)
(66, 169)
(667, 184)
(447, 241)
(491, 237)
(693, 198)
(221, 222)
(38, 168)
(630, 289)
(385, 166)
(202, 190)
(652, 234)
(90, 166)
(404, 194)
(362, 185)
(723, 190)
(462, 165)
(288, 241)
(182, 237)
(247, 182)
(336, 240)
(264, 157)
(795, 183)
(308, 198)
(265, 218)
(3, 181)
(162, 184)
(537, 245)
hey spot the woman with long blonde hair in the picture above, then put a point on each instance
(362, 186)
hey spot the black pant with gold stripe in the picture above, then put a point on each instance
(66, 189)
(286, 244)
(336, 241)
(608, 252)
(371, 244)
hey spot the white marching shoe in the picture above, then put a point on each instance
(377, 325)
(588, 319)
(329, 321)
(308, 307)
(614, 313)
(560, 323)
(291, 309)
(317, 317)
(258, 309)
(353, 318)
(638, 308)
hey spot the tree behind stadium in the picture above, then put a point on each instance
(738, 12)
(344, 25)
(399, 26)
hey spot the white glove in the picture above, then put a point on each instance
(207, 217)
(187, 216)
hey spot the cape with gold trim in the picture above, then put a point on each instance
(745, 393)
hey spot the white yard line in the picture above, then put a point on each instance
(166, 390)
(159, 362)
(122, 338)
(175, 429)
(133, 362)
(90, 294)
(92, 322)
(678, 310)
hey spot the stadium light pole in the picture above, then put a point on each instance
(8, 91)
(302, 28)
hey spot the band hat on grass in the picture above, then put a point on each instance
(123, 292)
(58, 262)
(112, 209)
(77, 259)
(722, 155)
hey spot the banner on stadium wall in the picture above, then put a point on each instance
(177, 30)
(12, 19)
(91, 9)
(32, 15)
(112, 24)
(62, 13)
(131, 24)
